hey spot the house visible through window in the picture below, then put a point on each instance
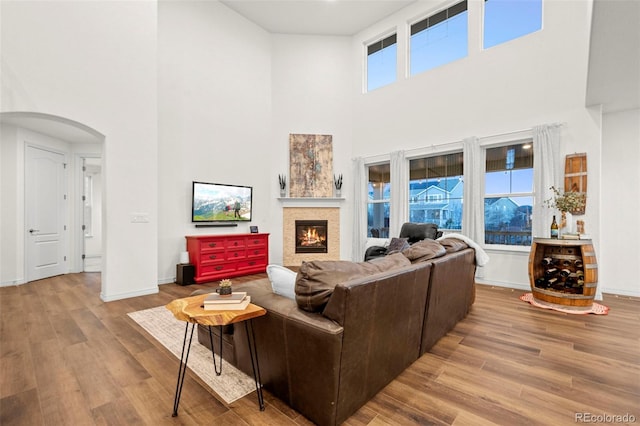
(379, 189)
(436, 189)
(381, 62)
(505, 20)
(439, 39)
(508, 198)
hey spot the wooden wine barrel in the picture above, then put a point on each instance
(573, 256)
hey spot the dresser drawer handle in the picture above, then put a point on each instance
(213, 256)
(256, 251)
(212, 244)
(252, 263)
(235, 254)
(256, 242)
(235, 243)
(218, 268)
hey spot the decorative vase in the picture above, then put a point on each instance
(567, 222)
(338, 193)
(283, 192)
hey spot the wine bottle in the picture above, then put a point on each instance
(547, 261)
(554, 228)
(550, 272)
(565, 273)
(578, 263)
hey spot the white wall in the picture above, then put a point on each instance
(311, 82)
(214, 79)
(536, 79)
(95, 63)
(11, 196)
(228, 94)
(619, 255)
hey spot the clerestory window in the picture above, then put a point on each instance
(439, 39)
(381, 62)
(506, 20)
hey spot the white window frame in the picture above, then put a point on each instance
(365, 50)
(512, 138)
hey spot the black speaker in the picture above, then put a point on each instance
(185, 274)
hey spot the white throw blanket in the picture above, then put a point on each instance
(482, 258)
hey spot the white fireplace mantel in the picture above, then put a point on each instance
(311, 201)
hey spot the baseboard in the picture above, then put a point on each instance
(12, 283)
(127, 295)
(527, 287)
(503, 284)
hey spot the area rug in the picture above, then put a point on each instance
(160, 323)
(596, 308)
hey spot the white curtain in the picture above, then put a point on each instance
(472, 209)
(359, 210)
(399, 208)
(546, 140)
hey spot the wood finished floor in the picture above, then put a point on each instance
(67, 358)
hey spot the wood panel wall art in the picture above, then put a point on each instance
(311, 165)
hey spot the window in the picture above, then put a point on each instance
(436, 189)
(439, 39)
(505, 20)
(508, 200)
(378, 202)
(381, 62)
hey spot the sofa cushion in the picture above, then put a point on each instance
(418, 231)
(317, 279)
(424, 250)
(397, 245)
(452, 245)
(283, 280)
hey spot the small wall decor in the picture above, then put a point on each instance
(311, 163)
(575, 178)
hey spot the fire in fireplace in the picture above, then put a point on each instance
(311, 236)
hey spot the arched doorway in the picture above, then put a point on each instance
(23, 132)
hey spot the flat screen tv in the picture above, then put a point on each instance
(216, 202)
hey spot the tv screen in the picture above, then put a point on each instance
(216, 202)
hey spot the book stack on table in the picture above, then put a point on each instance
(236, 301)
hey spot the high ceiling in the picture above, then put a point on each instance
(316, 17)
(614, 57)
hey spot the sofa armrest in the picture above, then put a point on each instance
(298, 354)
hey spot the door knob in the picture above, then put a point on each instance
(33, 230)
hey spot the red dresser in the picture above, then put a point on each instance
(224, 256)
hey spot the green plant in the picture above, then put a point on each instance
(225, 283)
(567, 201)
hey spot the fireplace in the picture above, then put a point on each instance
(311, 236)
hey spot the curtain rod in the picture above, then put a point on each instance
(414, 151)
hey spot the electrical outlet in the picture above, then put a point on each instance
(139, 217)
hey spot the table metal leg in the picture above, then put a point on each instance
(213, 353)
(182, 370)
(253, 351)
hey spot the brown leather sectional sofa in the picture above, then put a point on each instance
(327, 364)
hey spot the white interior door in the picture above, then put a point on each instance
(45, 202)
